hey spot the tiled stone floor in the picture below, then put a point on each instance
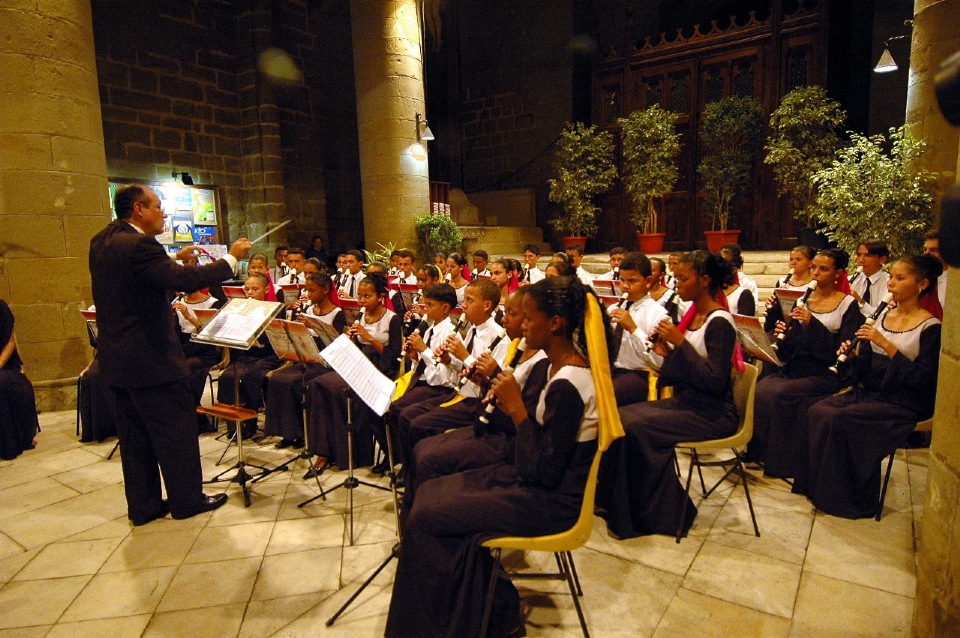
(72, 566)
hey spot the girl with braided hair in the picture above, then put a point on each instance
(639, 490)
(443, 573)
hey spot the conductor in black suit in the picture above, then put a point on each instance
(141, 358)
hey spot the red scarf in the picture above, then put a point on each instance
(737, 359)
(930, 301)
(271, 293)
(513, 283)
(843, 281)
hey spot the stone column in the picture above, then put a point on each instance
(53, 186)
(387, 62)
(935, 37)
(937, 603)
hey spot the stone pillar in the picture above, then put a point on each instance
(260, 132)
(935, 37)
(387, 62)
(937, 603)
(53, 186)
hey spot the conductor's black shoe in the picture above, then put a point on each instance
(285, 443)
(207, 504)
(160, 513)
(298, 443)
(381, 468)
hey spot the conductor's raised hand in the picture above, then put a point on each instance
(241, 248)
(187, 252)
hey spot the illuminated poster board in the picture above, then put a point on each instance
(192, 214)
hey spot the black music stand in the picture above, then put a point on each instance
(395, 550)
(238, 326)
(238, 415)
(352, 482)
(304, 453)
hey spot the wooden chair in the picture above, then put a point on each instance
(744, 389)
(922, 426)
(561, 545)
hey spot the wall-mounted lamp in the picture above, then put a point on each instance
(185, 178)
(424, 133)
(887, 64)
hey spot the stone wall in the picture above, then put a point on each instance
(181, 92)
(53, 194)
(510, 83)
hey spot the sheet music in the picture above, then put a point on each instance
(301, 338)
(754, 340)
(361, 375)
(234, 292)
(325, 331)
(239, 323)
(205, 315)
(787, 297)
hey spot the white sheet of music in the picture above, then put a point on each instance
(364, 378)
(239, 322)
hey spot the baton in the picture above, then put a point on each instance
(270, 232)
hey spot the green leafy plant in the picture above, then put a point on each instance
(382, 254)
(651, 145)
(803, 140)
(870, 192)
(584, 169)
(731, 135)
(435, 234)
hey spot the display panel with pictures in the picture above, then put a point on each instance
(192, 214)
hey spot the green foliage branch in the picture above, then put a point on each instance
(651, 145)
(584, 168)
(731, 135)
(436, 234)
(875, 189)
(803, 140)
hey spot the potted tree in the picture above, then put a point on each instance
(869, 192)
(651, 145)
(436, 234)
(584, 169)
(803, 140)
(732, 135)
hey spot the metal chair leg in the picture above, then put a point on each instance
(573, 594)
(686, 501)
(488, 603)
(883, 488)
(573, 568)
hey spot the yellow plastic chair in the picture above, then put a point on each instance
(922, 426)
(744, 389)
(561, 545)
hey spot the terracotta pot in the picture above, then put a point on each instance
(651, 243)
(717, 238)
(574, 239)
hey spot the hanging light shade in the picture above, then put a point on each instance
(886, 63)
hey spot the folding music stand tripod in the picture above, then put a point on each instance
(238, 415)
(304, 453)
(249, 320)
(395, 550)
(352, 482)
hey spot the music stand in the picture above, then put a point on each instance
(351, 482)
(301, 345)
(367, 383)
(395, 550)
(237, 326)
